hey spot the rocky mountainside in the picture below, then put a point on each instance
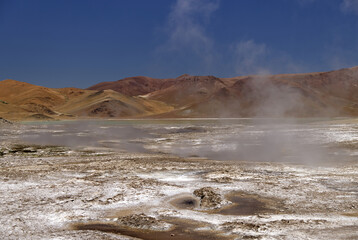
(322, 94)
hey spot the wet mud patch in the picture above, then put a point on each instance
(248, 204)
(185, 202)
(234, 203)
(347, 186)
(182, 229)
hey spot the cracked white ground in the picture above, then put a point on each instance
(292, 180)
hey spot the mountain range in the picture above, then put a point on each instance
(320, 94)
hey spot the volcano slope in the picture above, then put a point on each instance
(24, 101)
(321, 94)
(325, 94)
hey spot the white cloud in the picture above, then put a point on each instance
(189, 44)
(186, 26)
(349, 6)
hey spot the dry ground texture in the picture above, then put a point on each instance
(53, 192)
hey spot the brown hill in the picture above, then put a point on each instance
(19, 100)
(187, 90)
(134, 86)
(320, 94)
(332, 93)
(314, 94)
(109, 103)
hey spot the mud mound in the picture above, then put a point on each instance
(208, 197)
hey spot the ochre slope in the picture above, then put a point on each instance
(21, 93)
(19, 101)
(108, 103)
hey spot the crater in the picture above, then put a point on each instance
(185, 202)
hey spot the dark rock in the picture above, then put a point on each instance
(4, 121)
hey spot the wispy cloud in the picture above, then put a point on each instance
(186, 25)
(349, 6)
(189, 48)
(251, 57)
(187, 38)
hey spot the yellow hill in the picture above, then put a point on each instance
(20, 100)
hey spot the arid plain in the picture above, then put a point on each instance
(159, 179)
(271, 157)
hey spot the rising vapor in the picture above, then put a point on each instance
(348, 6)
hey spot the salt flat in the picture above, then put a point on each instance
(181, 179)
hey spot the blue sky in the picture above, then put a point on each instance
(82, 42)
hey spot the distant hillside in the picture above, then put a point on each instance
(23, 101)
(322, 94)
(135, 86)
